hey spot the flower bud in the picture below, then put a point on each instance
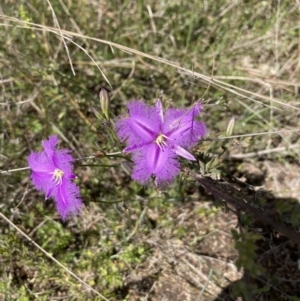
(230, 127)
(104, 101)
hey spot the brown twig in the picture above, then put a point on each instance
(236, 200)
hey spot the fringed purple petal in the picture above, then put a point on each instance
(136, 147)
(182, 128)
(43, 182)
(39, 162)
(142, 125)
(67, 199)
(49, 146)
(161, 163)
(64, 161)
(140, 172)
(156, 157)
(50, 192)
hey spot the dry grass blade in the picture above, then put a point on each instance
(52, 258)
(207, 79)
(62, 36)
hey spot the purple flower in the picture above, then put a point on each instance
(156, 140)
(52, 174)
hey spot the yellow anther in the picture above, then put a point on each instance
(57, 176)
(161, 140)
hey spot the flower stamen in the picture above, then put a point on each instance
(161, 140)
(57, 176)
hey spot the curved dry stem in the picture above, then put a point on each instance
(51, 257)
(217, 83)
